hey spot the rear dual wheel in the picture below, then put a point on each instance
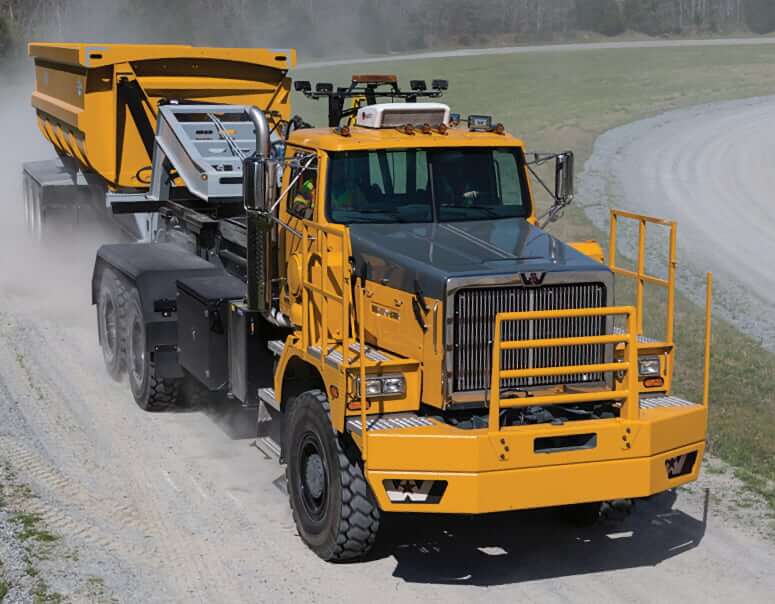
(150, 393)
(33, 210)
(111, 312)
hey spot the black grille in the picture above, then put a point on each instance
(475, 311)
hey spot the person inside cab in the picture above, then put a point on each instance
(304, 200)
(347, 194)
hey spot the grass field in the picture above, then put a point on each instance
(563, 100)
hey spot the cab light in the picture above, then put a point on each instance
(409, 129)
(443, 128)
(426, 128)
(499, 129)
(479, 123)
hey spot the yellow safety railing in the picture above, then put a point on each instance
(628, 367)
(640, 275)
(317, 242)
(706, 365)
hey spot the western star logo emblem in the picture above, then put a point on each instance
(533, 278)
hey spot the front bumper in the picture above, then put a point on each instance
(487, 472)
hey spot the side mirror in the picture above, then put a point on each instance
(564, 178)
(258, 181)
(253, 183)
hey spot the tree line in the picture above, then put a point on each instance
(336, 27)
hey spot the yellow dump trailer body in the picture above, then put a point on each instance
(88, 96)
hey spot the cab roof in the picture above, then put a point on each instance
(362, 138)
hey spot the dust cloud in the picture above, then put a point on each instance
(50, 278)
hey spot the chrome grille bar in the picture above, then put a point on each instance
(475, 310)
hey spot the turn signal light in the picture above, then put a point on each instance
(656, 382)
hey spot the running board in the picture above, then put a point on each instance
(655, 402)
(395, 421)
(334, 357)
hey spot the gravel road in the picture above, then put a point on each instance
(709, 168)
(180, 507)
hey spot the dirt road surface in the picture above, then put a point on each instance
(180, 507)
(711, 169)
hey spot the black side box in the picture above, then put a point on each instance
(203, 315)
(251, 364)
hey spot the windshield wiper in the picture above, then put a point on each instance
(392, 215)
(487, 209)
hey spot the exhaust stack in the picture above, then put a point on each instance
(258, 185)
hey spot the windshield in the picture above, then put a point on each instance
(427, 185)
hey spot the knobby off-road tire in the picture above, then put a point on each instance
(33, 210)
(111, 319)
(333, 506)
(150, 393)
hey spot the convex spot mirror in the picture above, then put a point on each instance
(564, 178)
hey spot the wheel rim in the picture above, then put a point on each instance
(313, 477)
(109, 327)
(137, 351)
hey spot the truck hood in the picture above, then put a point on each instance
(407, 256)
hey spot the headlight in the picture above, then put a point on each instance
(392, 385)
(373, 387)
(649, 367)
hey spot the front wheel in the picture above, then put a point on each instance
(333, 506)
(150, 393)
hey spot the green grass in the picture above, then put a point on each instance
(564, 100)
(3, 589)
(31, 528)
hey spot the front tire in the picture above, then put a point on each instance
(150, 393)
(333, 507)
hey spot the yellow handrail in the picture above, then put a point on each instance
(641, 277)
(706, 369)
(628, 367)
(320, 233)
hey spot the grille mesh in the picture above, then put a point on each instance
(475, 311)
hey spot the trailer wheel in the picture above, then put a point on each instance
(333, 507)
(111, 309)
(150, 393)
(33, 210)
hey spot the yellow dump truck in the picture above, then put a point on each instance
(381, 289)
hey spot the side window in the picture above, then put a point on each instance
(303, 193)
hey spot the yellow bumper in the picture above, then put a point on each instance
(487, 472)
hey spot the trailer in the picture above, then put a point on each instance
(381, 290)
